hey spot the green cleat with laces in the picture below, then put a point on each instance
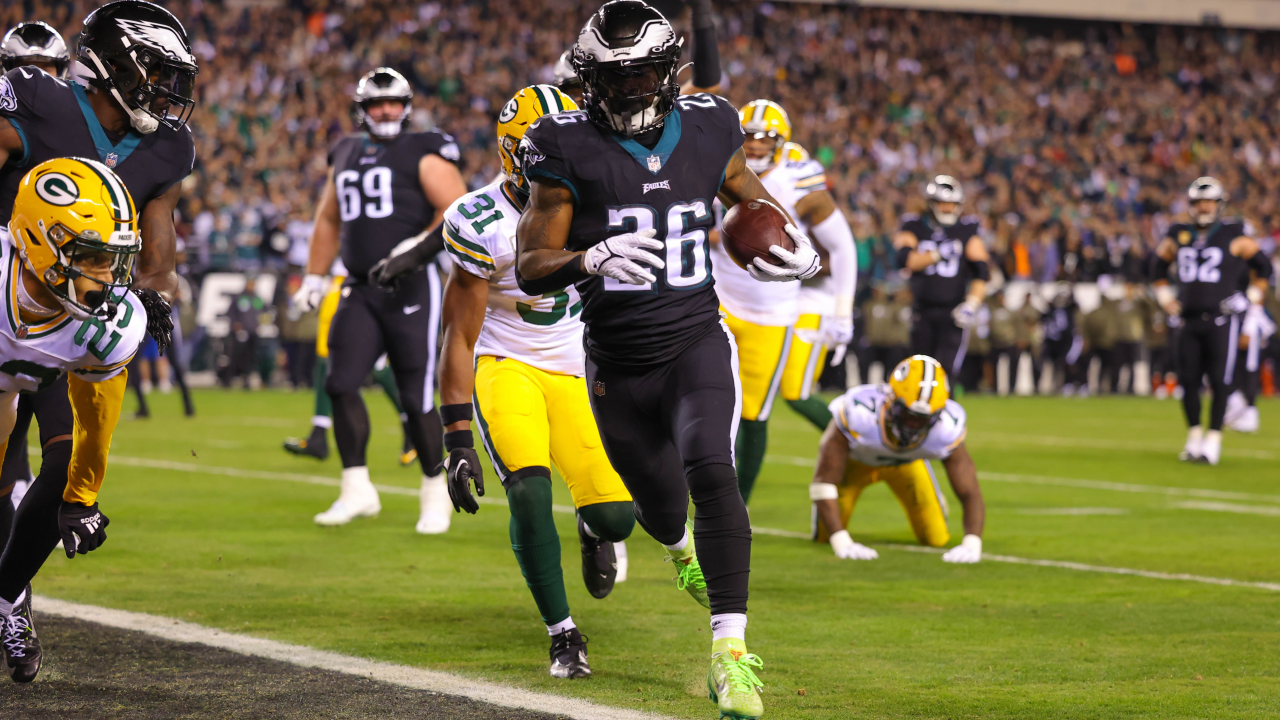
(732, 683)
(688, 572)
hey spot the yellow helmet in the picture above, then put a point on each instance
(794, 152)
(919, 391)
(74, 218)
(766, 119)
(517, 115)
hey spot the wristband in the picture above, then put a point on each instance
(823, 491)
(458, 439)
(450, 414)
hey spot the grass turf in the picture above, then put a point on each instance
(904, 636)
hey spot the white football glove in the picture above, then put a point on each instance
(1235, 304)
(802, 264)
(969, 551)
(837, 331)
(308, 297)
(620, 256)
(846, 548)
(966, 313)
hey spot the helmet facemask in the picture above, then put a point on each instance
(380, 86)
(385, 129)
(907, 427)
(102, 270)
(630, 98)
(762, 165)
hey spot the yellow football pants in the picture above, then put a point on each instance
(916, 489)
(531, 419)
(328, 306)
(774, 360)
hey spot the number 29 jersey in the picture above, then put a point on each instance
(620, 186)
(544, 332)
(1206, 271)
(945, 283)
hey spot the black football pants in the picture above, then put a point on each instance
(669, 431)
(935, 333)
(1207, 347)
(403, 324)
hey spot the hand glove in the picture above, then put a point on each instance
(1234, 304)
(801, 264)
(846, 549)
(159, 316)
(308, 297)
(969, 551)
(837, 332)
(966, 313)
(463, 466)
(620, 256)
(388, 271)
(83, 529)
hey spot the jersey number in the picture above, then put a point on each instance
(376, 184)
(1201, 266)
(95, 344)
(552, 316)
(951, 252)
(483, 205)
(688, 265)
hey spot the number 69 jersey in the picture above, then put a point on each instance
(860, 412)
(544, 332)
(32, 357)
(621, 186)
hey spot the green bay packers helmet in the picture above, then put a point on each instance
(74, 218)
(765, 119)
(919, 391)
(520, 112)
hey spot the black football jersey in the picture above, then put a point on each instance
(1204, 269)
(945, 283)
(620, 186)
(54, 120)
(1059, 323)
(380, 197)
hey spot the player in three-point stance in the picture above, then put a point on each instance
(889, 433)
(65, 272)
(620, 207)
(1214, 260)
(385, 187)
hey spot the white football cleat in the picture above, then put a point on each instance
(1191, 450)
(436, 509)
(358, 498)
(1211, 448)
(1236, 405)
(1248, 421)
(620, 553)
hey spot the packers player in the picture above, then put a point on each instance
(65, 269)
(890, 433)
(780, 350)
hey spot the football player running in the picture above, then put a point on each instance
(890, 433)
(620, 207)
(386, 187)
(949, 273)
(65, 269)
(1217, 260)
(780, 351)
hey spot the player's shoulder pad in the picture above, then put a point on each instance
(20, 86)
(1239, 226)
(130, 323)
(440, 143)
(712, 110)
(1177, 228)
(479, 251)
(908, 221)
(855, 412)
(949, 431)
(341, 146)
(973, 220)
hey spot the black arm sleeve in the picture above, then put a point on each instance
(980, 269)
(1160, 268)
(1261, 264)
(559, 279)
(901, 257)
(430, 246)
(706, 52)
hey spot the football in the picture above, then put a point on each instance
(750, 228)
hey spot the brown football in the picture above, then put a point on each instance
(750, 228)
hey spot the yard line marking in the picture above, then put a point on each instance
(1228, 507)
(1072, 511)
(397, 490)
(1110, 444)
(303, 656)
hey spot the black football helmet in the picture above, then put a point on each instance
(34, 43)
(627, 56)
(383, 84)
(139, 52)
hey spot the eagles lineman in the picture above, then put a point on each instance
(386, 188)
(620, 207)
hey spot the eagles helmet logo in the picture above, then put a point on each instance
(57, 189)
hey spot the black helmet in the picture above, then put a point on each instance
(627, 57)
(34, 43)
(139, 52)
(383, 84)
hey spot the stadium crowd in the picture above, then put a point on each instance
(1074, 172)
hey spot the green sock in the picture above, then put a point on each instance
(753, 440)
(814, 409)
(537, 546)
(612, 521)
(324, 406)
(387, 380)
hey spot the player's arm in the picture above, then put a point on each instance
(322, 250)
(706, 51)
(1166, 251)
(824, 492)
(441, 182)
(905, 243)
(11, 144)
(95, 408)
(461, 316)
(159, 244)
(442, 185)
(831, 229)
(742, 184)
(975, 254)
(964, 482)
(1247, 249)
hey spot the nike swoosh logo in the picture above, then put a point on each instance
(412, 309)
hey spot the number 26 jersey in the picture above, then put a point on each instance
(620, 186)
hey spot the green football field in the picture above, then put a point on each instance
(211, 523)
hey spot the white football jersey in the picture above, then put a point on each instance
(774, 304)
(545, 332)
(857, 413)
(33, 357)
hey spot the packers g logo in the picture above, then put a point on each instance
(508, 111)
(57, 189)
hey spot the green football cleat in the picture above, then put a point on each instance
(732, 683)
(688, 572)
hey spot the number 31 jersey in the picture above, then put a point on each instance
(544, 332)
(32, 357)
(620, 186)
(380, 197)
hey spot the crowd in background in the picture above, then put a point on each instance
(1075, 140)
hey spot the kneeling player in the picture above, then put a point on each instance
(890, 433)
(65, 270)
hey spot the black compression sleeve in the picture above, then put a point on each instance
(430, 246)
(901, 257)
(979, 269)
(559, 279)
(1261, 264)
(706, 53)
(1160, 268)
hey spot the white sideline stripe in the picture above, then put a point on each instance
(396, 490)
(1111, 444)
(1228, 507)
(1072, 511)
(302, 656)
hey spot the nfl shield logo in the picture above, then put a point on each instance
(598, 388)
(655, 163)
(112, 159)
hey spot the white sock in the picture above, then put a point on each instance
(684, 542)
(322, 421)
(6, 607)
(565, 624)
(356, 479)
(1213, 436)
(729, 625)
